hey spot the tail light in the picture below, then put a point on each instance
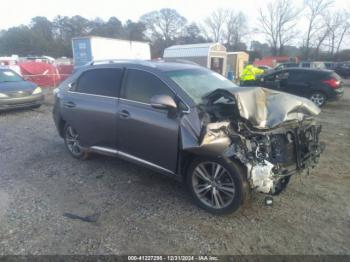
(332, 82)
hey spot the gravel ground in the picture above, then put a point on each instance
(137, 211)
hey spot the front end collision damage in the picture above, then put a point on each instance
(273, 134)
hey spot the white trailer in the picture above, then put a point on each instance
(210, 55)
(92, 48)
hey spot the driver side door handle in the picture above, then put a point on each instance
(124, 114)
(69, 104)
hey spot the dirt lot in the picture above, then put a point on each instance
(140, 212)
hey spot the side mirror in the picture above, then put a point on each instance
(72, 85)
(163, 102)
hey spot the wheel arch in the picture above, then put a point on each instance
(186, 158)
(60, 125)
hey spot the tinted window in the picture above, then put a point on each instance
(105, 82)
(141, 86)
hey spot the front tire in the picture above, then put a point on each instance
(72, 142)
(216, 185)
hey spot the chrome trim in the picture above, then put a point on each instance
(75, 92)
(133, 101)
(142, 103)
(126, 69)
(145, 162)
(110, 151)
(104, 150)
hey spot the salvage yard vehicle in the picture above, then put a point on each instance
(319, 86)
(191, 124)
(343, 69)
(15, 92)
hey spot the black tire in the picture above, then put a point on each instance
(36, 106)
(318, 98)
(79, 154)
(234, 173)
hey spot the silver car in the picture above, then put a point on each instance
(15, 92)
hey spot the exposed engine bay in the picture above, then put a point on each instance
(272, 133)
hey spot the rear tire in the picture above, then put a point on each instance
(318, 98)
(217, 186)
(71, 140)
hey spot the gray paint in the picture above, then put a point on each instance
(154, 137)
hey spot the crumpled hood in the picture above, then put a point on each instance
(265, 108)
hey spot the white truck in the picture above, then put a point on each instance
(92, 48)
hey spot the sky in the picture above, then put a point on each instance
(21, 11)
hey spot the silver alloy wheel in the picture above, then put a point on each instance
(213, 185)
(72, 140)
(318, 99)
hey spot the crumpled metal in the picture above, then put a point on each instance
(265, 108)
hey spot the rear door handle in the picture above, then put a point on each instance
(69, 104)
(124, 114)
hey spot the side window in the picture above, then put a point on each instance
(141, 86)
(101, 81)
(270, 77)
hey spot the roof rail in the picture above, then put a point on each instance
(184, 61)
(115, 61)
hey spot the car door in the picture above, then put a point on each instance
(269, 81)
(90, 106)
(146, 134)
(298, 82)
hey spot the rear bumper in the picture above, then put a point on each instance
(21, 102)
(336, 94)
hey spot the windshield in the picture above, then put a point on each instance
(199, 82)
(9, 76)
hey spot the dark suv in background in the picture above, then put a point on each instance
(317, 85)
(191, 124)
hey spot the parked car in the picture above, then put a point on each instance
(330, 65)
(303, 64)
(317, 85)
(191, 124)
(343, 69)
(285, 65)
(15, 92)
(313, 65)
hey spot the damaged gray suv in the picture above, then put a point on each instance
(190, 124)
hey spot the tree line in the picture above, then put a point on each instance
(325, 32)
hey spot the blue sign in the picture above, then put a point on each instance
(82, 51)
